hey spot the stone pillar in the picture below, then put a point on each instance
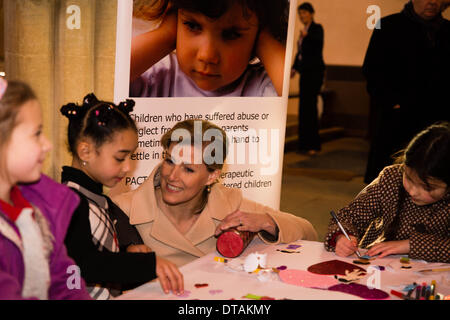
(2, 41)
(63, 49)
(74, 66)
(29, 54)
(105, 48)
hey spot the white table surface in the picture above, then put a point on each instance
(225, 283)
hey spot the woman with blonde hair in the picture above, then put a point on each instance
(180, 209)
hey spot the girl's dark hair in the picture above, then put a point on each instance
(272, 14)
(428, 153)
(306, 6)
(97, 120)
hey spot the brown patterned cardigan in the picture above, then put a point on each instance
(384, 210)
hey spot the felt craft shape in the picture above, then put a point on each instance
(293, 246)
(361, 291)
(361, 261)
(306, 279)
(333, 267)
(351, 276)
(256, 297)
(381, 268)
(213, 292)
(185, 294)
(220, 259)
(288, 251)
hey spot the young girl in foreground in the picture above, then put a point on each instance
(406, 210)
(107, 248)
(34, 210)
(216, 43)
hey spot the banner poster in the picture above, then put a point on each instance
(177, 87)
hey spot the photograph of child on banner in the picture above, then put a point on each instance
(206, 48)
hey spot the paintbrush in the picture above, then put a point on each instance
(343, 230)
(435, 270)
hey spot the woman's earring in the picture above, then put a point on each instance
(208, 188)
(84, 163)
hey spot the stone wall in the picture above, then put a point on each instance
(64, 49)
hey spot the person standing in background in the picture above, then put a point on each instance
(309, 63)
(407, 68)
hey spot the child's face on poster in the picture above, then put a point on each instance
(215, 52)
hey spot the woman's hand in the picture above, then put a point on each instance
(389, 247)
(246, 221)
(139, 248)
(170, 278)
(344, 247)
(271, 53)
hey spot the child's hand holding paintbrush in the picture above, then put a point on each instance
(345, 244)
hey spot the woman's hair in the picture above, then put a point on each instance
(14, 97)
(97, 120)
(428, 153)
(306, 6)
(208, 130)
(272, 14)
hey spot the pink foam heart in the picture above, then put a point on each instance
(306, 279)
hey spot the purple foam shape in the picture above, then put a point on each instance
(215, 291)
(381, 268)
(361, 291)
(185, 294)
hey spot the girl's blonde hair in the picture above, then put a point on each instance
(16, 95)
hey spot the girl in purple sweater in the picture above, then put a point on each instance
(34, 210)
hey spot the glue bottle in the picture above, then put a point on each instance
(232, 242)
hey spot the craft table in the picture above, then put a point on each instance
(217, 281)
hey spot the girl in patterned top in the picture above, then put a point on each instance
(406, 209)
(108, 250)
